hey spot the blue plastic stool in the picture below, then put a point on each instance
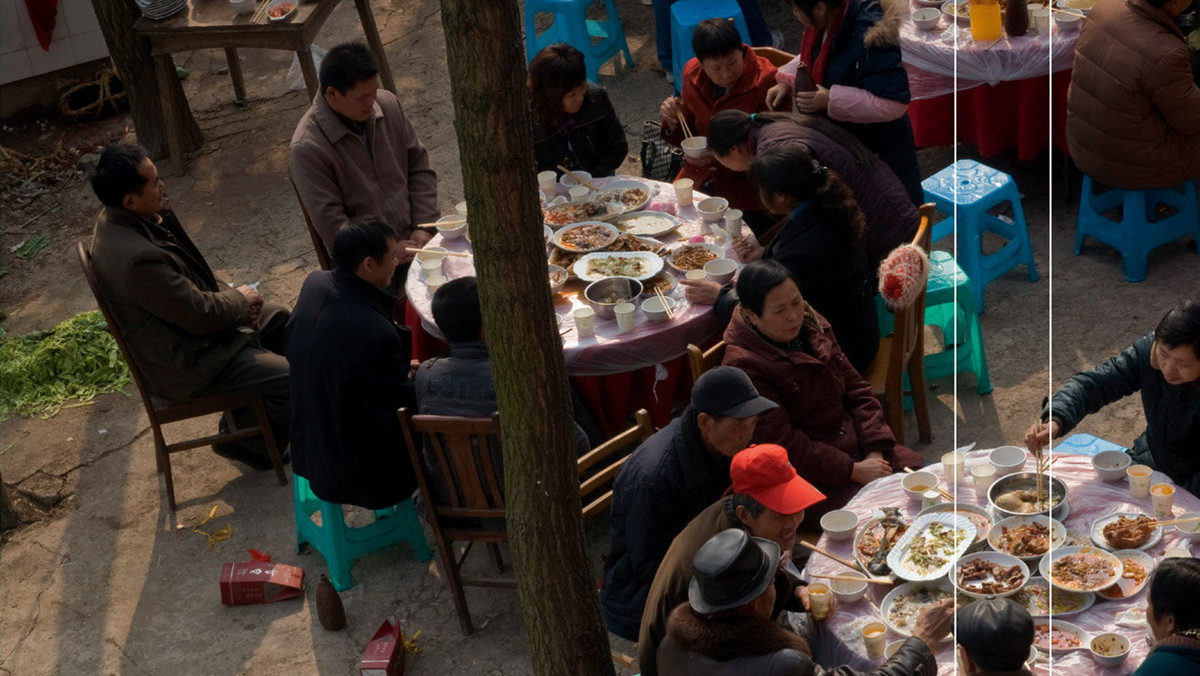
(685, 15)
(959, 322)
(341, 545)
(572, 26)
(1139, 231)
(974, 188)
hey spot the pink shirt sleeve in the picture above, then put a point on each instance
(851, 104)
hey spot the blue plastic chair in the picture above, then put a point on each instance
(572, 26)
(1140, 229)
(685, 15)
(959, 321)
(341, 545)
(975, 188)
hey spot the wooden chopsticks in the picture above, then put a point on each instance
(576, 177)
(847, 578)
(687, 131)
(835, 557)
(411, 249)
(1172, 522)
(260, 12)
(662, 299)
(444, 224)
(1066, 11)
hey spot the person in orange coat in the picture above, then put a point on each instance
(725, 75)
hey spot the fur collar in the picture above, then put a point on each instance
(886, 32)
(726, 637)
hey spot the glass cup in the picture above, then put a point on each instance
(1162, 496)
(952, 465)
(585, 321)
(624, 314)
(818, 600)
(696, 275)
(1139, 480)
(874, 638)
(579, 193)
(548, 183)
(733, 223)
(683, 192)
(983, 476)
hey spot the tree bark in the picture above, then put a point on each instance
(565, 630)
(9, 517)
(131, 57)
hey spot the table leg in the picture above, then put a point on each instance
(164, 68)
(235, 73)
(310, 71)
(372, 33)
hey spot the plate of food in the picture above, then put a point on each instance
(693, 256)
(877, 537)
(282, 10)
(585, 237)
(1080, 568)
(563, 259)
(902, 605)
(639, 265)
(1058, 635)
(1027, 537)
(929, 549)
(1126, 530)
(958, 10)
(664, 281)
(987, 575)
(575, 212)
(628, 242)
(628, 194)
(1136, 566)
(647, 223)
(1036, 598)
(978, 516)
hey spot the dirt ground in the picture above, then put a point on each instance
(107, 581)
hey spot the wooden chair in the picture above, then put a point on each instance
(461, 448)
(162, 413)
(904, 352)
(599, 484)
(703, 360)
(318, 243)
(777, 57)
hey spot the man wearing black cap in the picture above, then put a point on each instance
(670, 479)
(994, 636)
(725, 628)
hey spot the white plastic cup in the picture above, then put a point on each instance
(548, 183)
(431, 267)
(1139, 480)
(1162, 496)
(818, 600)
(683, 192)
(930, 498)
(983, 476)
(434, 282)
(696, 275)
(624, 314)
(952, 465)
(585, 321)
(579, 193)
(461, 209)
(874, 638)
(1041, 20)
(733, 223)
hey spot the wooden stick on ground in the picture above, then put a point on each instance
(576, 177)
(835, 557)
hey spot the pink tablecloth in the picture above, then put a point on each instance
(1089, 498)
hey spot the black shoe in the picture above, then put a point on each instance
(235, 451)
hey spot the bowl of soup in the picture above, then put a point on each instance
(1018, 495)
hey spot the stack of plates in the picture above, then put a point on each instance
(160, 9)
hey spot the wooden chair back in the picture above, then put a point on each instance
(461, 449)
(595, 487)
(318, 244)
(703, 360)
(777, 57)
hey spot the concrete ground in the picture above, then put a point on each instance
(109, 581)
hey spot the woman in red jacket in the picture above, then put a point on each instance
(827, 419)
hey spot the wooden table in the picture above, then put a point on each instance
(208, 24)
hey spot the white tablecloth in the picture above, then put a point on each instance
(1089, 498)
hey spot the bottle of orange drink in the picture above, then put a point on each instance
(985, 19)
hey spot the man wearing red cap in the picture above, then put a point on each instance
(767, 500)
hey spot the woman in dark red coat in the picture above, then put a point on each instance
(827, 419)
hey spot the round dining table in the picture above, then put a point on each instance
(840, 636)
(615, 372)
(997, 94)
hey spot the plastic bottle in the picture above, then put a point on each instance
(985, 20)
(1016, 19)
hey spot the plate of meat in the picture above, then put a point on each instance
(1080, 568)
(629, 194)
(1136, 566)
(987, 575)
(1038, 600)
(1126, 531)
(585, 237)
(576, 212)
(1027, 537)
(1059, 635)
(876, 539)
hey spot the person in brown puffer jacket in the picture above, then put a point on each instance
(1133, 110)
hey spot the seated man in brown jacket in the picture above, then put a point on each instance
(189, 334)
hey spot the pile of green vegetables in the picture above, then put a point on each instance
(40, 372)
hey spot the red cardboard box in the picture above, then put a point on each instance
(384, 655)
(256, 582)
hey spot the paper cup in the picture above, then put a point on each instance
(818, 600)
(874, 638)
(624, 315)
(930, 498)
(683, 192)
(461, 209)
(952, 465)
(1139, 480)
(579, 193)
(733, 223)
(431, 267)
(1041, 20)
(983, 476)
(585, 321)
(548, 183)
(1162, 496)
(696, 275)
(434, 282)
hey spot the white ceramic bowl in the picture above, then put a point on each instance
(1191, 531)
(1067, 22)
(917, 483)
(1109, 650)
(430, 252)
(839, 524)
(653, 308)
(712, 209)
(451, 232)
(927, 18)
(1110, 465)
(568, 182)
(243, 6)
(846, 591)
(694, 146)
(720, 270)
(1007, 459)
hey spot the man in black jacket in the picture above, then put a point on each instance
(351, 374)
(670, 479)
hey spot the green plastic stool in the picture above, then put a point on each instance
(342, 546)
(959, 323)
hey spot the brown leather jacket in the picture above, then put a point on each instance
(1133, 110)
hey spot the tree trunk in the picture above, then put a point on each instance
(131, 57)
(9, 518)
(565, 630)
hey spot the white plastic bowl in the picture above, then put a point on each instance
(430, 252)
(1109, 650)
(1110, 465)
(847, 592)
(917, 483)
(653, 309)
(1007, 459)
(720, 270)
(694, 146)
(243, 6)
(839, 524)
(927, 18)
(568, 182)
(451, 232)
(1067, 22)
(712, 209)
(1191, 531)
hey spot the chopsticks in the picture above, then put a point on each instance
(260, 12)
(1172, 522)
(939, 488)
(687, 131)
(444, 224)
(1064, 11)
(847, 578)
(835, 557)
(662, 299)
(576, 177)
(437, 253)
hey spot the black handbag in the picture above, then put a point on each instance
(661, 161)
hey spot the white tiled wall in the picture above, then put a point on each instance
(76, 39)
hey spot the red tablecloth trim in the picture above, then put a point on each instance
(43, 14)
(998, 117)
